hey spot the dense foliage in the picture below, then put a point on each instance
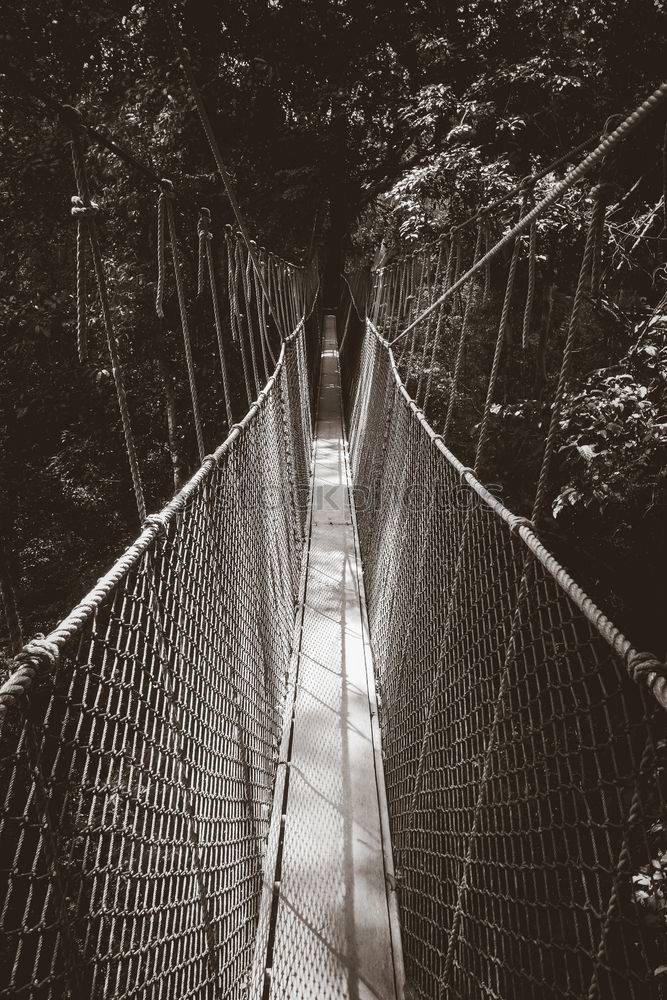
(344, 124)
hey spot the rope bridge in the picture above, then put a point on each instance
(151, 756)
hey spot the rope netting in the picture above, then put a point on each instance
(138, 770)
(139, 739)
(524, 739)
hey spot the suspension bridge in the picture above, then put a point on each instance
(337, 724)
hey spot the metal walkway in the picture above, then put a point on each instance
(332, 923)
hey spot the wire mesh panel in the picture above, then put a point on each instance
(137, 776)
(524, 768)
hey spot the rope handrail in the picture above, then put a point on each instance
(522, 732)
(655, 677)
(154, 526)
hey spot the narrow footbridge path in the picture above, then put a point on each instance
(333, 933)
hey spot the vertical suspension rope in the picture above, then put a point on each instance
(253, 289)
(458, 364)
(160, 240)
(261, 306)
(206, 262)
(237, 333)
(430, 282)
(598, 240)
(244, 272)
(573, 326)
(166, 208)
(84, 207)
(500, 339)
(416, 295)
(442, 256)
(532, 266)
(487, 265)
(81, 286)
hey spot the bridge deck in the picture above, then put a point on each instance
(332, 934)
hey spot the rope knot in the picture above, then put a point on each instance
(209, 461)
(156, 521)
(647, 669)
(521, 522)
(465, 470)
(80, 209)
(40, 653)
(39, 656)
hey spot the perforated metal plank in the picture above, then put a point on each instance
(332, 931)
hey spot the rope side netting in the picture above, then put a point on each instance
(137, 779)
(524, 738)
(140, 738)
